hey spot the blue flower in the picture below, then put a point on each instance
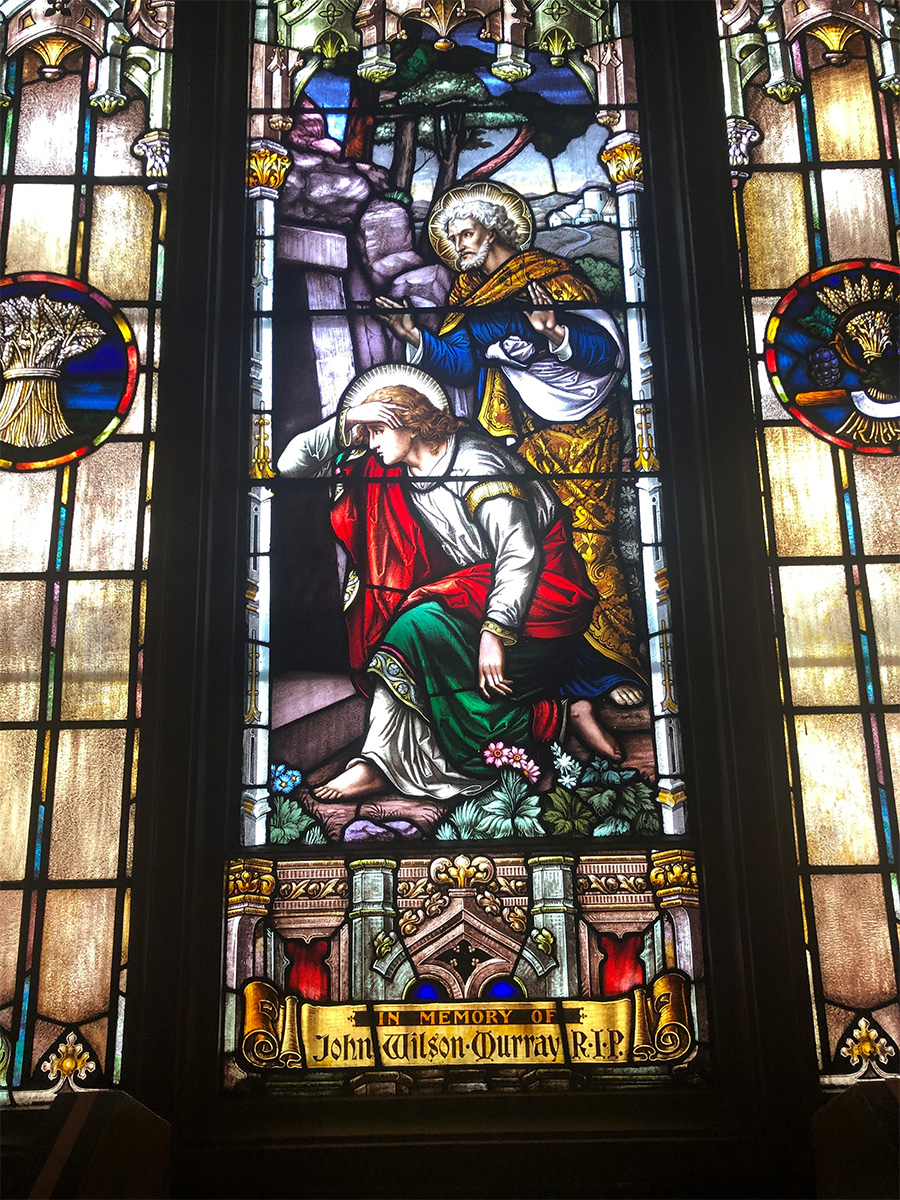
(285, 778)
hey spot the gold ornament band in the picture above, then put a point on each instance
(491, 488)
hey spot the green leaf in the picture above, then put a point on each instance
(611, 827)
(446, 832)
(820, 323)
(567, 814)
(647, 823)
(315, 836)
(529, 827)
(605, 277)
(601, 802)
(469, 820)
(882, 375)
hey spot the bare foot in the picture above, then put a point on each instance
(626, 695)
(591, 733)
(360, 778)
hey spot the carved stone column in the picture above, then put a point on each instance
(673, 878)
(153, 148)
(267, 167)
(622, 156)
(379, 965)
(555, 918)
(251, 885)
(742, 134)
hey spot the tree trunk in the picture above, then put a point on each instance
(449, 139)
(403, 163)
(359, 138)
(449, 135)
(489, 166)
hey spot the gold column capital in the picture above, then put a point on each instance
(622, 156)
(267, 166)
(673, 878)
(251, 885)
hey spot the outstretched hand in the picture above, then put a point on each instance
(543, 319)
(399, 319)
(491, 665)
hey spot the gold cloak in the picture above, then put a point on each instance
(588, 452)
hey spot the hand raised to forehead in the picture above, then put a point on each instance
(374, 412)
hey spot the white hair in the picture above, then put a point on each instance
(493, 217)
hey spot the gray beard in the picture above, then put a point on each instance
(476, 263)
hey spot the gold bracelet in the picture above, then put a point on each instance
(505, 635)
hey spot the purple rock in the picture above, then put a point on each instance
(309, 125)
(371, 341)
(377, 176)
(325, 145)
(384, 229)
(368, 831)
(305, 161)
(431, 283)
(337, 189)
(392, 265)
(406, 829)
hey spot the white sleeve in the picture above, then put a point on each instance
(564, 350)
(517, 559)
(310, 455)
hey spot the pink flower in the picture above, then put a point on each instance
(532, 771)
(495, 755)
(516, 757)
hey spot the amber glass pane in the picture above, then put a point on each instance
(781, 141)
(10, 914)
(845, 114)
(854, 948)
(76, 953)
(115, 137)
(26, 505)
(877, 489)
(48, 127)
(107, 500)
(98, 641)
(17, 769)
(819, 640)
(855, 214)
(776, 229)
(804, 505)
(21, 648)
(884, 592)
(87, 805)
(892, 725)
(834, 779)
(121, 240)
(39, 227)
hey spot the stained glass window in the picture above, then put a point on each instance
(85, 94)
(463, 802)
(811, 99)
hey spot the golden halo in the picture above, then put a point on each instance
(393, 373)
(516, 206)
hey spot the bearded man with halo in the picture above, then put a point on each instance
(545, 376)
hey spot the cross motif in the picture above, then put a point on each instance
(556, 10)
(330, 14)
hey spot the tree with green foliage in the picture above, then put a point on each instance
(442, 105)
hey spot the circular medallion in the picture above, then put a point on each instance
(69, 366)
(833, 354)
